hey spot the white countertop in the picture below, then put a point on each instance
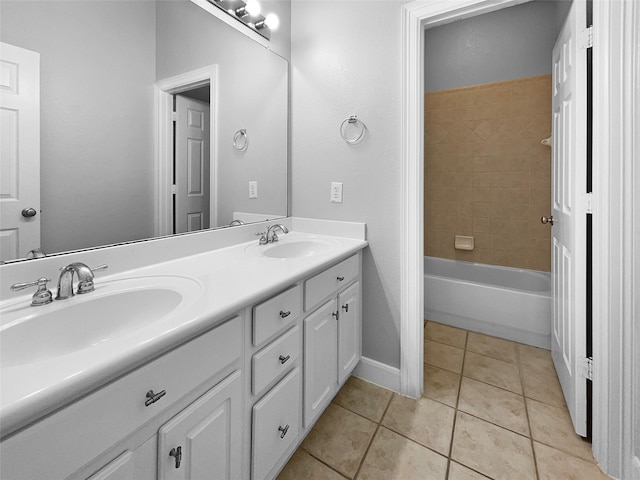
(231, 278)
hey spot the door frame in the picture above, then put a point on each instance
(163, 91)
(613, 154)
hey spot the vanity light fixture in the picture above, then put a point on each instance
(248, 13)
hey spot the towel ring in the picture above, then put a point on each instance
(352, 120)
(241, 140)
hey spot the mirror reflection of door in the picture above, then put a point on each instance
(192, 166)
(19, 151)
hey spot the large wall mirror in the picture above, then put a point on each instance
(99, 66)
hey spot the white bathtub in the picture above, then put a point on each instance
(504, 302)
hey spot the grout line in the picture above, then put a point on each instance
(373, 437)
(526, 411)
(455, 412)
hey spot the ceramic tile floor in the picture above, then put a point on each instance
(490, 409)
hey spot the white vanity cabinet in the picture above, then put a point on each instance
(230, 404)
(332, 334)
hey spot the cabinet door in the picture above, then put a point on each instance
(204, 440)
(320, 359)
(349, 331)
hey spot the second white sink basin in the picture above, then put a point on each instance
(114, 309)
(291, 246)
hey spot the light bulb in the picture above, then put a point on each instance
(272, 21)
(252, 7)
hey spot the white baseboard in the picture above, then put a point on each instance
(378, 373)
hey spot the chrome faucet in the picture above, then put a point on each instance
(85, 279)
(271, 232)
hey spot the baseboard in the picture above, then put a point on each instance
(378, 373)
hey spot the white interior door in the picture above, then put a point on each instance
(568, 263)
(192, 166)
(19, 151)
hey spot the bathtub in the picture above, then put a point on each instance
(504, 302)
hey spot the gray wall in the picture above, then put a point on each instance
(351, 64)
(511, 43)
(96, 130)
(252, 94)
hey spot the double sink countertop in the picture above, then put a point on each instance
(65, 353)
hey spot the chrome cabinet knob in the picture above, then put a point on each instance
(29, 212)
(545, 220)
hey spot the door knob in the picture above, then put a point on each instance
(29, 212)
(545, 220)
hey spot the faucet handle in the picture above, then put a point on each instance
(263, 237)
(86, 286)
(42, 295)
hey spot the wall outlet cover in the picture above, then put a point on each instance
(336, 192)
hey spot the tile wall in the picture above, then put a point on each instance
(487, 175)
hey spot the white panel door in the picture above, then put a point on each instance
(204, 440)
(568, 262)
(19, 151)
(349, 337)
(192, 167)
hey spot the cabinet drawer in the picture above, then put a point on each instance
(275, 359)
(65, 441)
(275, 424)
(275, 314)
(324, 284)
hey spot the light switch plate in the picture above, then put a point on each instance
(253, 189)
(336, 192)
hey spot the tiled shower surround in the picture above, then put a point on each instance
(487, 174)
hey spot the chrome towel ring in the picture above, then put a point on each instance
(241, 140)
(358, 127)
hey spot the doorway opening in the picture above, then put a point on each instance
(186, 160)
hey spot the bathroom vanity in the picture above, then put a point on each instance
(228, 390)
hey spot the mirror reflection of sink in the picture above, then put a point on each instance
(113, 310)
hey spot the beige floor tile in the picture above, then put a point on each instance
(554, 464)
(438, 332)
(460, 472)
(494, 405)
(302, 465)
(441, 385)
(492, 347)
(491, 450)
(552, 426)
(364, 398)
(423, 420)
(539, 378)
(393, 457)
(340, 439)
(443, 356)
(492, 371)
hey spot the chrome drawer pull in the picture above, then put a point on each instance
(153, 397)
(345, 307)
(177, 454)
(340, 279)
(283, 431)
(284, 360)
(285, 314)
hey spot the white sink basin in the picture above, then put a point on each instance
(292, 247)
(30, 334)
